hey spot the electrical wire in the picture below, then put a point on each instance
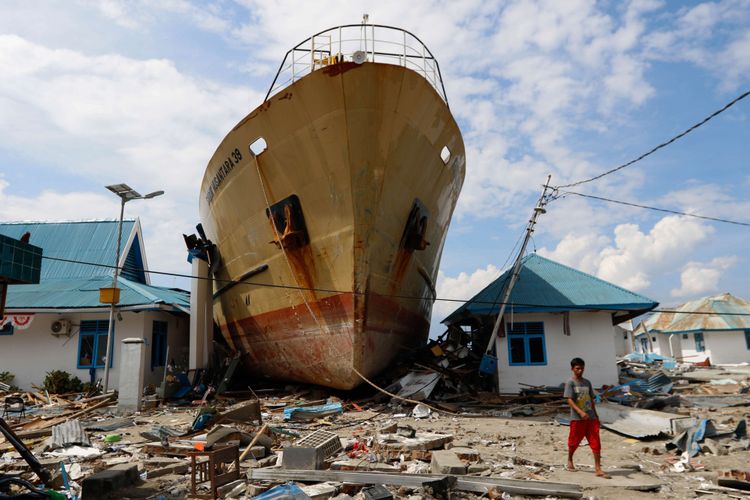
(662, 145)
(627, 203)
(408, 297)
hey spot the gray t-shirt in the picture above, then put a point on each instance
(582, 394)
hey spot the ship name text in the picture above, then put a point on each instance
(222, 173)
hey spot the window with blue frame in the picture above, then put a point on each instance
(158, 344)
(700, 344)
(7, 329)
(526, 344)
(92, 344)
(747, 339)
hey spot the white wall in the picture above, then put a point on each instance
(726, 347)
(661, 345)
(29, 354)
(591, 338)
(622, 340)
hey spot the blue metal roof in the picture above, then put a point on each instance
(547, 286)
(92, 241)
(83, 293)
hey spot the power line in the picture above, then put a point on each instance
(664, 144)
(411, 297)
(620, 202)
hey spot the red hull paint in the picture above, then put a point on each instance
(289, 344)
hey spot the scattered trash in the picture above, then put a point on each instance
(307, 413)
(421, 411)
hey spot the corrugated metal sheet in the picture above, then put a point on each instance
(545, 285)
(88, 241)
(638, 423)
(67, 434)
(724, 307)
(84, 293)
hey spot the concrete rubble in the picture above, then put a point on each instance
(369, 444)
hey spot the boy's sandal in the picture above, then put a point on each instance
(571, 469)
(603, 475)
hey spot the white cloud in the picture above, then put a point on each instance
(734, 61)
(693, 37)
(582, 252)
(98, 120)
(698, 278)
(51, 205)
(462, 287)
(709, 200)
(120, 12)
(162, 220)
(143, 116)
(635, 257)
(139, 14)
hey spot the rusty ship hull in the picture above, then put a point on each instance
(330, 237)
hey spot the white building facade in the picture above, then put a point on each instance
(591, 337)
(32, 350)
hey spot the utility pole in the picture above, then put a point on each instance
(494, 340)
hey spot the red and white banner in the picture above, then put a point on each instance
(19, 321)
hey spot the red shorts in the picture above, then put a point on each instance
(588, 429)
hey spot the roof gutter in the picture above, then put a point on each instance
(61, 310)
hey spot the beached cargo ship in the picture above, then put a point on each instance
(330, 204)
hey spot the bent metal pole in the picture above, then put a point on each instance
(538, 209)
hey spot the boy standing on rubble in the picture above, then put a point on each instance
(584, 421)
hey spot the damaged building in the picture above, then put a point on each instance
(554, 313)
(61, 324)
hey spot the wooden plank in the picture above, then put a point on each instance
(463, 483)
(43, 424)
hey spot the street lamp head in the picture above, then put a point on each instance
(124, 191)
(127, 193)
(154, 194)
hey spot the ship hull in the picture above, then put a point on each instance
(319, 226)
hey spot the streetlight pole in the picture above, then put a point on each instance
(126, 193)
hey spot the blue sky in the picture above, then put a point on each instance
(101, 92)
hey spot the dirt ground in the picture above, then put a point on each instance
(633, 464)
(524, 448)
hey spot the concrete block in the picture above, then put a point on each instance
(268, 461)
(245, 412)
(359, 464)
(235, 489)
(446, 462)
(464, 453)
(422, 441)
(253, 490)
(258, 452)
(478, 468)
(175, 468)
(713, 447)
(388, 429)
(321, 491)
(102, 484)
(377, 492)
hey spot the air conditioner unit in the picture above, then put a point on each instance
(60, 327)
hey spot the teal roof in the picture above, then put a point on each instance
(70, 284)
(547, 286)
(83, 293)
(93, 241)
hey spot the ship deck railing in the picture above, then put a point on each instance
(358, 43)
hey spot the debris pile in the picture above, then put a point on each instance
(433, 431)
